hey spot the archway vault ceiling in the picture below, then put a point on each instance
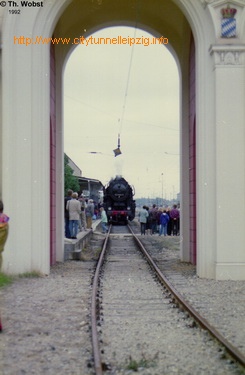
(161, 18)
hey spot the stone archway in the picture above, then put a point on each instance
(77, 20)
(27, 122)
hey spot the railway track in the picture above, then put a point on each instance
(135, 324)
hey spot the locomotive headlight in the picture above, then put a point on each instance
(128, 208)
(109, 208)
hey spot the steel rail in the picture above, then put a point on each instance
(234, 352)
(95, 339)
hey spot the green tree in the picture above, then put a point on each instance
(70, 181)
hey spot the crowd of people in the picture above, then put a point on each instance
(159, 220)
(79, 214)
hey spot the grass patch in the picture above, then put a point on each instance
(5, 279)
(9, 279)
(134, 365)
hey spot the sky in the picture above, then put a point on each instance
(112, 89)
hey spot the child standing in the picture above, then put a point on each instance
(4, 227)
(104, 220)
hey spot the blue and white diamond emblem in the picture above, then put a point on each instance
(228, 27)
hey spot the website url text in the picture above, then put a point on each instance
(145, 41)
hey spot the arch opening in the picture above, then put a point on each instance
(178, 31)
(131, 90)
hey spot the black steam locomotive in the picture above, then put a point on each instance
(118, 201)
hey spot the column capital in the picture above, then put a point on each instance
(233, 54)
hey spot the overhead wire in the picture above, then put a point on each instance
(127, 85)
(120, 120)
(113, 116)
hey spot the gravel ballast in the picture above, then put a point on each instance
(46, 323)
(46, 320)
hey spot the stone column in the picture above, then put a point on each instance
(229, 76)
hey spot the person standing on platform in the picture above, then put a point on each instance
(82, 215)
(67, 221)
(89, 211)
(74, 208)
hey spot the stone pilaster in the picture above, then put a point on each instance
(229, 76)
